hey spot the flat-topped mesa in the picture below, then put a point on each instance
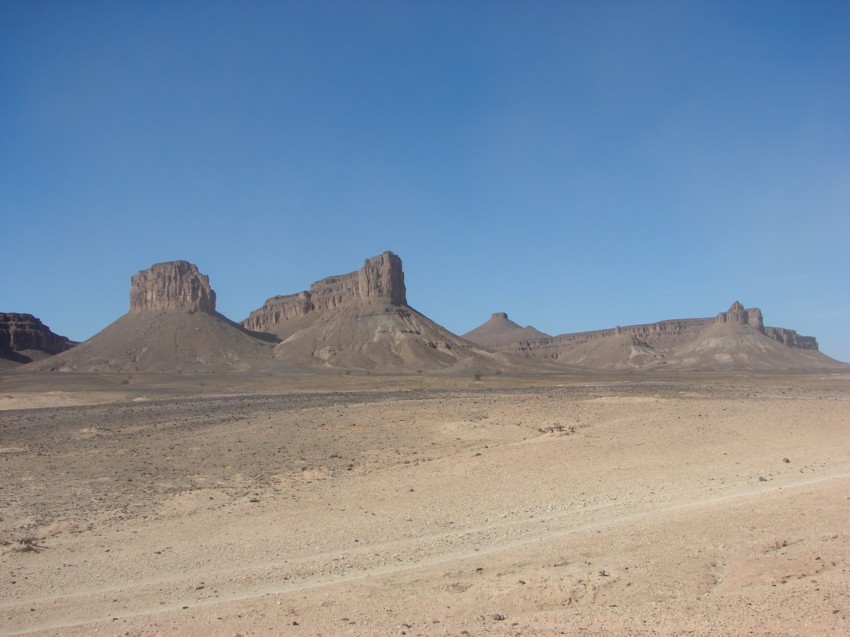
(664, 336)
(753, 318)
(380, 279)
(19, 332)
(173, 286)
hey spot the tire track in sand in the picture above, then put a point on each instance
(322, 581)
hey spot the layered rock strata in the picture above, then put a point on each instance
(381, 279)
(171, 286)
(25, 332)
(661, 335)
(361, 320)
(172, 326)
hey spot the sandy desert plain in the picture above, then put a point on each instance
(425, 504)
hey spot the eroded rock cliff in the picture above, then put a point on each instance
(26, 333)
(381, 279)
(171, 286)
(172, 326)
(629, 346)
(791, 338)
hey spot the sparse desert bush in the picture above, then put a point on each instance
(26, 545)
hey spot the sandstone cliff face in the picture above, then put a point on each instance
(381, 279)
(23, 332)
(171, 286)
(791, 338)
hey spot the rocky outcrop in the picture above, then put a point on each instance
(381, 279)
(173, 286)
(26, 333)
(361, 320)
(355, 321)
(753, 318)
(500, 330)
(737, 314)
(172, 326)
(791, 338)
(665, 340)
(653, 334)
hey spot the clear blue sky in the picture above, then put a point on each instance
(576, 164)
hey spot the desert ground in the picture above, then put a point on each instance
(425, 504)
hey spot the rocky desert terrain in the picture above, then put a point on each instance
(331, 503)
(339, 464)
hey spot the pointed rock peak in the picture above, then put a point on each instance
(500, 330)
(171, 286)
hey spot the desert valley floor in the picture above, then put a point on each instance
(333, 504)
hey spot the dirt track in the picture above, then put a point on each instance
(620, 506)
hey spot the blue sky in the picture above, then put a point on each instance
(578, 165)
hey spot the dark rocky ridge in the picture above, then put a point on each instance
(23, 335)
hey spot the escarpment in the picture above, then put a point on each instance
(23, 338)
(381, 279)
(362, 320)
(736, 338)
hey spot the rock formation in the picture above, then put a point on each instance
(23, 338)
(736, 337)
(500, 331)
(361, 320)
(380, 279)
(172, 326)
(171, 286)
(791, 338)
